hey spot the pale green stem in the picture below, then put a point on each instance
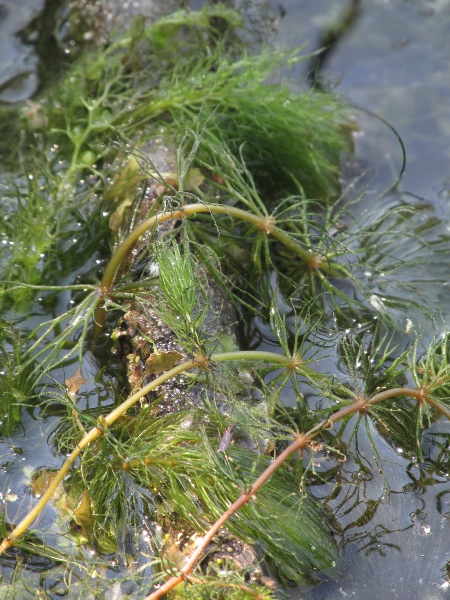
(241, 355)
(80, 140)
(290, 363)
(438, 406)
(84, 442)
(311, 259)
(262, 223)
(105, 422)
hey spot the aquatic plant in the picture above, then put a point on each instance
(220, 192)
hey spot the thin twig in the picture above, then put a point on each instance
(299, 444)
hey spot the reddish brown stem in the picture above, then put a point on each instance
(300, 443)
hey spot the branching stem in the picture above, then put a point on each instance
(261, 222)
(90, 436)
(300, 443)
(105, 422)
(191, 209)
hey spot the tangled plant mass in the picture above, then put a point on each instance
(212, 196)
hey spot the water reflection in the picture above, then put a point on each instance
(19, 62)
(393, 61)
(394, 542)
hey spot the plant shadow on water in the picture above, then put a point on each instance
(221, 193)
(381, 76)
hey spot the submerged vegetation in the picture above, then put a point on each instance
(174, 211)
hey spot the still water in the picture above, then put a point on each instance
(394, 60)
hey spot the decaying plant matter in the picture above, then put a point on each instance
(194, 211)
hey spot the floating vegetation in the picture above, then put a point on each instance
(172, 202)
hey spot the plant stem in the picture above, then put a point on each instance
(438, 406)
(241, 355)
(90, 436)
(261, 222)
(299, 444)
(186, 211)
(105, 422)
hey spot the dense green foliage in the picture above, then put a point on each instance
(315, 289)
